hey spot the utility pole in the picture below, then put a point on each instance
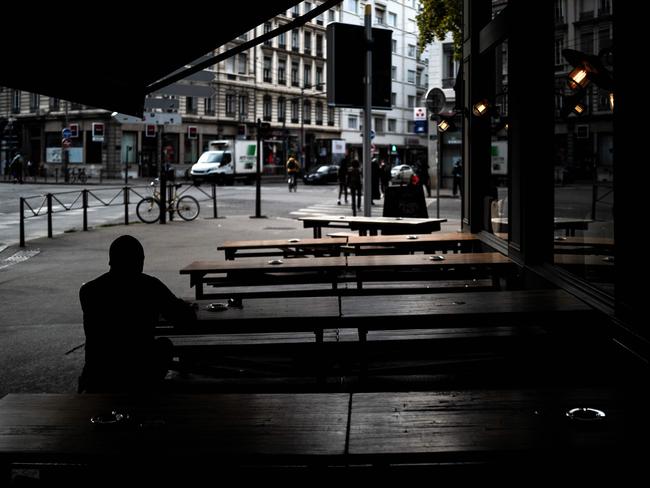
(367, 115)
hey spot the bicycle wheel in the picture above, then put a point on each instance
(83, 178)
(148, 210)
(187, 207)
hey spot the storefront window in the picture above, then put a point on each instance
(583, 157)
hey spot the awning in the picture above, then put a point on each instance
(106, 55)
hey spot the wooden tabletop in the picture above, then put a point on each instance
(463, 309)
(425, 262)
(412, 239)
(266, 265)
(483, 425)
(265, 428)
(283, 243)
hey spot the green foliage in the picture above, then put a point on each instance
(437, 18)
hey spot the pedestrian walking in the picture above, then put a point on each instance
(457, 173)
(354, 182)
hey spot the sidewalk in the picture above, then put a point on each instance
(41, 320)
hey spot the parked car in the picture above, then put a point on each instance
(401, 173)
(322, 175)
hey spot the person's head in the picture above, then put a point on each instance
(126, 255)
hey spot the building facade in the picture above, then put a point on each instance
(395, 138)
(280, 82)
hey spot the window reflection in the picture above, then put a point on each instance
(584, 146)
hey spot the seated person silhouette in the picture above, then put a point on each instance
(120, 310)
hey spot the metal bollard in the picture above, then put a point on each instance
(84, 203)
(126, 205)
(22, 222)
(49, 215)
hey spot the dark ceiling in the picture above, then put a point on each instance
(105, 55)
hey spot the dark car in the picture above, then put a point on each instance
(322, 175)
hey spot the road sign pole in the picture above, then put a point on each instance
(367, 168)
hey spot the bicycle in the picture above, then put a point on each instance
(293, 182)
(186, 206)
(79, 175)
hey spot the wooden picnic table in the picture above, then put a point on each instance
(287, 247)
(223, 430)
(583, 245)
(439, 241)
(263, 271)
(570, 225)
(372, 225)
(262, 315)
(490, 308)
(528, 426)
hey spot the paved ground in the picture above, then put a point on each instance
(41, 317)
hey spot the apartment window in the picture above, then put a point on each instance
(411, 51)
(320, 19)
(306, 112)
(190, 105)
(330, 115)
(267, 107)
(295, 111)
(319, 113)
(410, 76)
(557, 52)
(208, 106)
(282, 71)
(449, 66)
(307, 7)
(410, 101)
(230, 104)
(418, 77)
(380, 16)
(587, 41)
(410, 126)
(319, 77)
(242, 63)
(319, 45)
(230, 68)
(393, 72)
(587, 9)
(268, 67)
(295, 77)
(604, 39)
(243, 107)
(34, 101)
(353, 122)
(392, 19)
(352, 5)
(295, 40)
(268, 27)
(243, 37)
(282, 40)
(15, 101)
(393, 46)
(307, 76)
(55, 104)
(295, 11)
(393, 99)
(282, 109)
(559, 11)
(307, 44)
(392, 125)
(379, 125)
(330, 16)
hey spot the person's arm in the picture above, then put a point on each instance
(172, 308)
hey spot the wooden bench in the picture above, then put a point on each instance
(264, 277)
(372, 225)
(287, 247)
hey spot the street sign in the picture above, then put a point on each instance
(161, 118)
(372, 134)
(419, 113)
(67, 133)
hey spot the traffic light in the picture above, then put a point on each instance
(98, 131)
(74, 130)
(393, 149)
(150, 130)
(192, 132)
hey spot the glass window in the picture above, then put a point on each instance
(282, 71)
(267, 107)
(392, 125)
(583, 238)
(306, 114)
(392, 19)
(282, 109)
(353, 122)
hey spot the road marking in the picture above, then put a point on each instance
(18, 257)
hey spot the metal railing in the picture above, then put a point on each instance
(52, 203)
